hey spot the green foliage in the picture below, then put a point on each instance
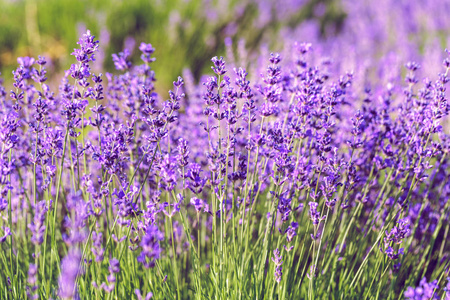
(185, 33)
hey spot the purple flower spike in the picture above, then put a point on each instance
(314, 214)
(25, 62)
(151, 249)
(277, 259)
(37, 227)
(121, 60)
(69, 273)
(147, 50)
(219, 65)
(291, 231)
(424, 291)
(198, 204)
(32, 281)
(87, 48)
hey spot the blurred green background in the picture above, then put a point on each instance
(185, 33)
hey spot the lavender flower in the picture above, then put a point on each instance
(291, 231)
(277, 259)
(198, 203)
(32, 281)
(314, 214)
(183, 153)
(37, 227)
(150, 244)
(88, 46)
(219, 65)
(424, 291)
(395, 237)
(69, 273)
(121, 60)
(245, 147)
(147, 50)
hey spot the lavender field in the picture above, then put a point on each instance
(310, 166)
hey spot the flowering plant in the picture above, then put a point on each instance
(280, 186)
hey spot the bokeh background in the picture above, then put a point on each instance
(187, 33)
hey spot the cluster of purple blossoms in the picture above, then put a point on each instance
(291, 233)
(69, 272)
(277, 260)
(151, 248)
(314, 214)
(395, 237)
(38, 227)
(425, 290)
(132, 192)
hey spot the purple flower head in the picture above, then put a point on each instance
(314, 214)
(196, 181)
(284, 207)
(125, 202)
(331, 203)
(117, 240)
(424, 291)
(147, 50)
(69, 273)
(80, 73)
(87, 48)
(288, 249)
(392, 254)
(26, 64)
(37, 75)
(150, 244)
(114, 266)
(32, 282)
(104, 286)
(37, 227)
(278, 273)
(275, 58)
(51, 170)
(198, 203)
(412, 66)
(303, 48)
(219, 65)
(3, 203)
(398, 233)
(394, 238)
(32, 272)
(291, 231)
(76, 224)
(168, 173)
(179, 83)
(277, 259)
(121, 60)
(41, 60)
(183, 152)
